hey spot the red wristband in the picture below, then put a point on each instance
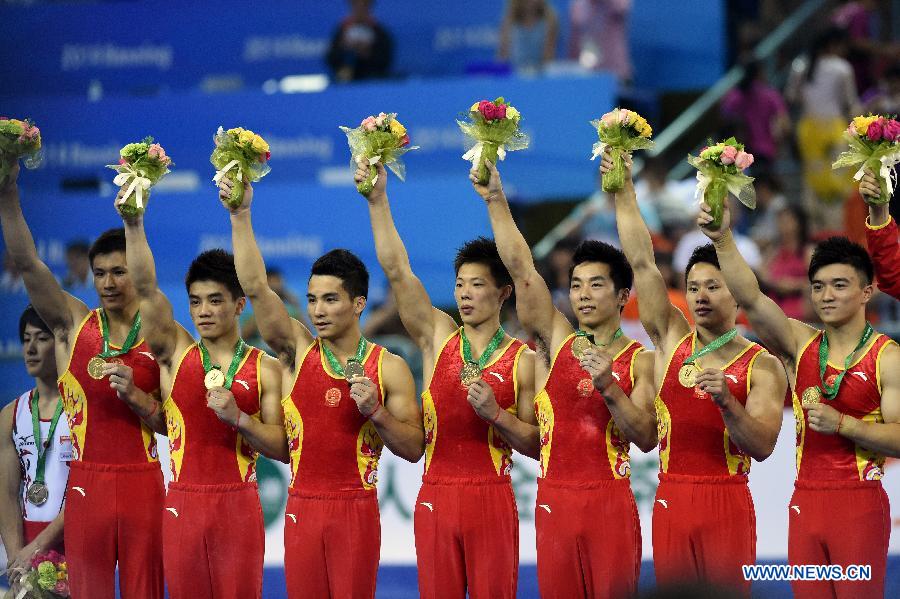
(375, 411)
(840, 422)
(237, 423)
(497, 417)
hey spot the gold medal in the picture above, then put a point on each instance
(580, 344)
(353, 369)
(470, 373)
(214, 378)
(687, 375)
(811, 395)
(95, 367)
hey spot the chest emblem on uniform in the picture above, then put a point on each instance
(585, 387)
(333, 397)
(830, 379)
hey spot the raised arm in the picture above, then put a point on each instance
(753, 427)
(658, 315)
(281, 332)
(881, 238)
(780, 334)
(534, 304)
(423, 322)
(58, 309)
(161, 332)
(399, 420)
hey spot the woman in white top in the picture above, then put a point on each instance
(33, 472)
(825, 91)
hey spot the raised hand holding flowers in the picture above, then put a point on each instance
(623, 131)
(381, 139)
(720, 170)
(239, 154)
(19, 139)
(492, 131)
(141, 166)
(874, 142)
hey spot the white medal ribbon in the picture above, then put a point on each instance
(221, 173)
(138, 184)
(887, 170)
(474, 153)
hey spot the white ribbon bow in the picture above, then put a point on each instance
(221, 172)
(598, 149)
(127, 173)
(887, 170)
(474, 153)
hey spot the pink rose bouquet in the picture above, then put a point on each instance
(624, 131)
(720, 169)
(19, 139)
(381, 139)
(141, 166)
(491, 131)
(874, 142)
(239, 154)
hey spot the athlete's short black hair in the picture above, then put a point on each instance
(591, 250)
(482, 250)
(30, 317)
(112, 240)
(704, 253)
(840, 250)
(215, 265)
(347, 267)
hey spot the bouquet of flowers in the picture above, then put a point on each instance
(624, 131)
(239, 153)
(492, 131)
(141, 166)
(18, 139)
(382, 139)
(875, 145)
(720, 170)
(48, 578)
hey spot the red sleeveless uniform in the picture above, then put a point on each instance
(588, 532)
(703, 480)
(213, 533)
(332, 529)
(466, 523)
(834, 471)
(115, 488)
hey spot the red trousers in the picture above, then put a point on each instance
(114, 513)
(332, 543)
(842, 523)
(588, 539)
(213, 541)
(467, 539)
(704, 528)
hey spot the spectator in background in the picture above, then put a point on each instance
(598, 37)
(528, 35)
(885, 97)
(825, 90)
(784, 273)
(596, 216)
(858, 19)
(360, 47)
(247, 321)
(675, 209)
(757, 114)
(78, 267)
(695, 238)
